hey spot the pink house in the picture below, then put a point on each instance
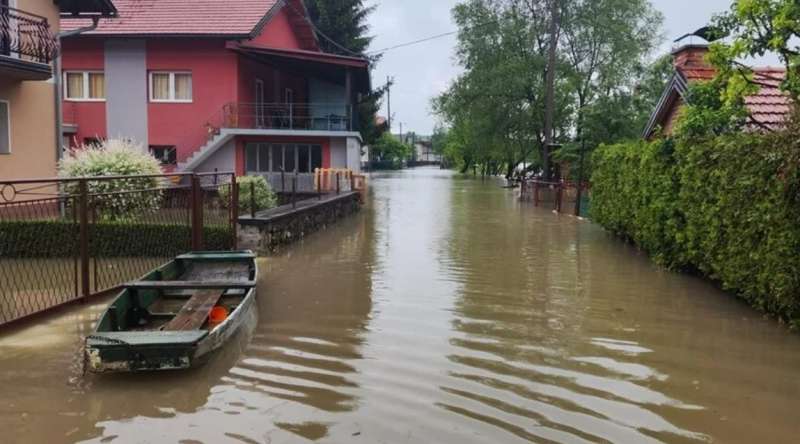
(211, 85)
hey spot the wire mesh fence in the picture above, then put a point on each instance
(66, 239)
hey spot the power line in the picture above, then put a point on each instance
(415, 42)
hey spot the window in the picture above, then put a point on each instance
(171, 87)
(167, 155)
(5, 127)
(263, 158)
(84, 86)
(92, 142)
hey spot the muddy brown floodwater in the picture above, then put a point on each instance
(445, 312)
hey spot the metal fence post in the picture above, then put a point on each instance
(338, 184)
(83, 189)
(294, 192)
(235, 211)
(197, 214)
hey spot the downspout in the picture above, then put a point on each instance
(58, 84)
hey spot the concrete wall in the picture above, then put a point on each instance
(224, 159)
(33, 129)
(338, 152)
(354, 154)
(126, 90)
(268, 234)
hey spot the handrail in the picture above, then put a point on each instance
(26, 35)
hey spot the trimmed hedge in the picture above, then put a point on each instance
(726, 207)
(34, 239)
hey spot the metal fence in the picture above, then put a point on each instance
(67, 239)
(562, 196)
(26, 36)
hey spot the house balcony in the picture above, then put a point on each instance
(289, 117)
(27, 45)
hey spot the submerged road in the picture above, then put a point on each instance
(446, 311)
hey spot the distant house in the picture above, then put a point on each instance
(769, 107)
(28, 48)
(423, 148)
(236, 85)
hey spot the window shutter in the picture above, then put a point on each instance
(5, 129)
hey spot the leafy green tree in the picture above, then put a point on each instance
(496, 107)
(390, 149)
(759, 27)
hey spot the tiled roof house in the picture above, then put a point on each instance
(769, 107)
(220, 85)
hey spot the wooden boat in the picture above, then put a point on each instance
(176, 315)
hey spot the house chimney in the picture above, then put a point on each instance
(691, 56)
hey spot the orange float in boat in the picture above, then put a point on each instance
(218, 315)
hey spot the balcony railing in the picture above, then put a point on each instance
(26, 36)
(288, 116)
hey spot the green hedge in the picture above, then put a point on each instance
(31, 239)
(725, 207)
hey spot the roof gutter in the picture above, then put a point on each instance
(59, 87)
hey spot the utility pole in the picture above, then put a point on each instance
(389, 83)
(401, 133)
(550, 93)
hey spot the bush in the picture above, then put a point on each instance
(115, 158)
(265, 197)
(724, 206)
(52, 239)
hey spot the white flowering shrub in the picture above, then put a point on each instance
(116, 199)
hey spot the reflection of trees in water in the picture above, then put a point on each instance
(522, 317)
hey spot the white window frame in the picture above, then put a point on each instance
(8, 115)
(172, 98)
(85, 97)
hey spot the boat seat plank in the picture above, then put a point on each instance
(190, 285)
(217, 256)
(194, 314)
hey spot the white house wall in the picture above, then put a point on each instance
(338, 152)
(224, 159)
(354, 154)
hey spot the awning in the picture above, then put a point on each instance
(331, 67)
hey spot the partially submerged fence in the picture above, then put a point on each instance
(562, 196)
(63, 240)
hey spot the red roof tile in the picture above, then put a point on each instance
(181, 17)
(770, 106)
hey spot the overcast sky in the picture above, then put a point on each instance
(423, 71)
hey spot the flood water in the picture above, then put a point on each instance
(446, 311)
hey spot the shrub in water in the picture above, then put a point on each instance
(265, 198)
(115, 158)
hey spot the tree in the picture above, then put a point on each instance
(758, 27)
(344, 22)
(496, 107)
(389, 149)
